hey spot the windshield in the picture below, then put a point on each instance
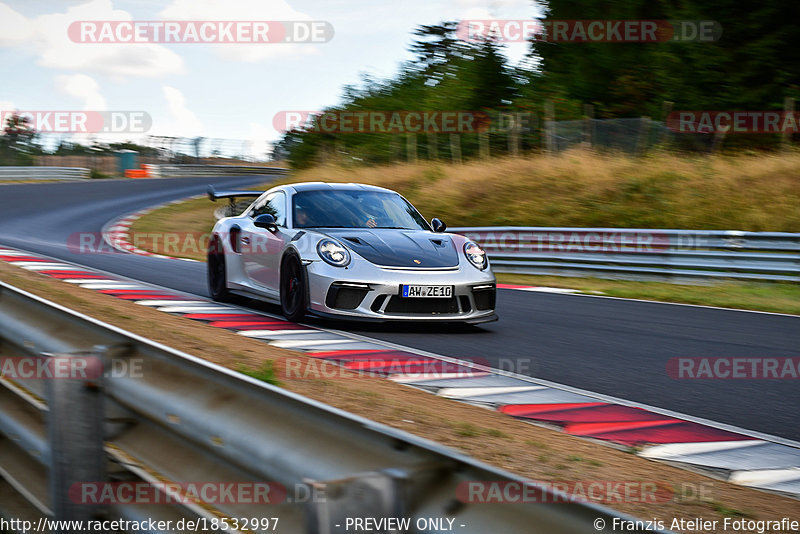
(354, 209)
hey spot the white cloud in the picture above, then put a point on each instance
(229, 10)
(82, 87)
(243, 10)
(260, 137)
(495, 9)
(47, 36)
(6, 108)
(185, 122)
(14, 27)
(516, 52)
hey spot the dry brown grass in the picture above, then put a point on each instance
(756, 192)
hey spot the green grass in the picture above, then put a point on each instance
(265, 373)
(778, 297)
(537, 444)
(730, 512)
(467, 430)
(493, 432)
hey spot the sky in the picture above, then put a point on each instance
(214, 90)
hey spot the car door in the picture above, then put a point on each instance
(262, 248)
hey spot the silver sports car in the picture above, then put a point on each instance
(347, 251)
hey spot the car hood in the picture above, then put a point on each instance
(418, 249)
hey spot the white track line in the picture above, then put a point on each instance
(674, 450)
(764, 477)
(667, 303)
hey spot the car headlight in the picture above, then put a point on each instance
(333, 253)
(475, 254)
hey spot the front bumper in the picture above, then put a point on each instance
(366, 292)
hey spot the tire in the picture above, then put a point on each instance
(293, 289)
(217, 273)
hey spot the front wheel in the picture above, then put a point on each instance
(217, 275)
(293, 290)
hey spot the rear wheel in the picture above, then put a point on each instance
(293, 289)
(217, 275)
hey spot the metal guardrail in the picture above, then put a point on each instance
(43, 173)
(641, 254)
(176, 171)
(181, 419)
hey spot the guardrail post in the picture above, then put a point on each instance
(549, 127)
(75, 428)
(411, 148)
(375, 495)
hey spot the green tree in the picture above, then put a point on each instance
(17, 143)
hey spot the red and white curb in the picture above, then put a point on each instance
(734, 454)
(117, 232)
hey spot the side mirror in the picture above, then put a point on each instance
(438, 225)
(265, 221)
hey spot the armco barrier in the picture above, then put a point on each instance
(176, 171)
(43, 173)
(641, 254)
(165, 418)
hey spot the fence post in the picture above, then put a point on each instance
(644, 135)
(788, 107)
(716, 143)
(666, 109)
(549, 126)
(433, 149)
(483, 145)
(455, 147)
(513, 134)
(75, 431)
(411, 148)
(395, 147)
(588, 126)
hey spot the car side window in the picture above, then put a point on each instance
(274, 204)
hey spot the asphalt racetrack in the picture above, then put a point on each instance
(610, 346)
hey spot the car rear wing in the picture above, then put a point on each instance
(213, 194)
